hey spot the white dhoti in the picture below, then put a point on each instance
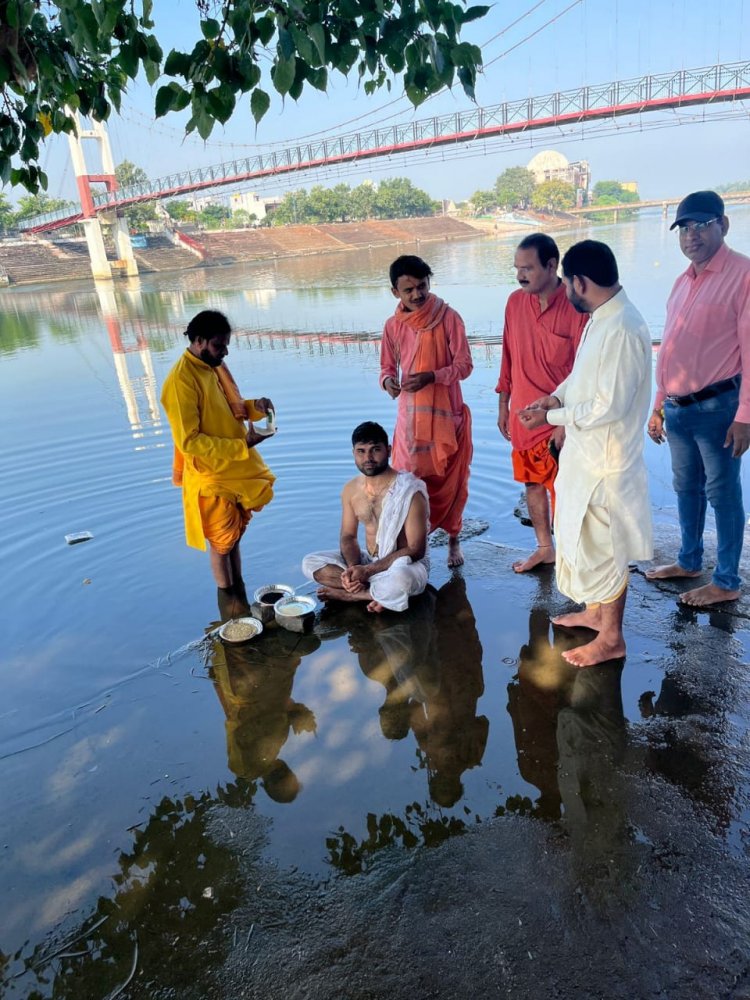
(404, 578)
(594, 575)
(392, 588)
(603, 514)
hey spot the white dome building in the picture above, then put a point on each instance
(549, 165)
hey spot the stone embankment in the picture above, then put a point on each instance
(28, 261)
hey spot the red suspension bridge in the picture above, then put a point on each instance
(721, 83)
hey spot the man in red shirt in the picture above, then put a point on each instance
(540, 338)
(702, 401)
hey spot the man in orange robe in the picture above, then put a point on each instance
(217, 464)
(424, 356)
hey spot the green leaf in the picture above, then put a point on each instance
(177, 64)
(285, 45)
(220, 102)
(247, 72)
(210, 28)
(259, 103)
(318, 78)
(468, 79)
(153, 71)
(318, 37)
(266, 28)
(128, 60)
(282, 75)
(473, 14)
(153, 49)
(164, 99)
(303, 43)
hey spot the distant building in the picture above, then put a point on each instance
(248, 201)
(198, 204)
(629, 186)
(549, 165)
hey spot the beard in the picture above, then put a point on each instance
(577, 302)
(211, 359)
(374, 470)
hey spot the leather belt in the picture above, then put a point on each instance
(715, 389)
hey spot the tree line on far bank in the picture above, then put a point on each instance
(517, 188)
(392, 198)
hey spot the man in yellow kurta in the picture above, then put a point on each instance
(222, 475)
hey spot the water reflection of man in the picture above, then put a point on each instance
(535, 698)
(430, 663)
(254, 686)
(591, 740)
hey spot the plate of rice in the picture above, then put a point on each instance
(240, 630)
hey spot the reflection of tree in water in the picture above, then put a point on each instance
(429, 660)
(254, 685)
(685, 738)
(160, 920)
(18, 331)
(418, 827)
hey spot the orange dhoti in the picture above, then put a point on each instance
(536, 465)
(448, 491)
(223, 522)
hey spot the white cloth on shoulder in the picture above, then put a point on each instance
(404, 578)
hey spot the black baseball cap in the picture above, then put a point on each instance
(700, 206)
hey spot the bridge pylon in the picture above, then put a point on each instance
(101, 266)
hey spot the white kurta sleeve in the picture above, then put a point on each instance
(614, 388)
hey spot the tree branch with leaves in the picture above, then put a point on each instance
(81, 55)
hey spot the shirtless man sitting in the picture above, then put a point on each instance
(394, 509)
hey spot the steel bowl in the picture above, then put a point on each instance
(232, 631)
(296, 606)
(270, 588)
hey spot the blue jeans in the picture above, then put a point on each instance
(703, 469)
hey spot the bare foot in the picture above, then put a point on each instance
(672, 571)
(704, 597)
(589, 618)
(597, 651)
(375, 607)
(455, 555)
(339, 594)
(542, 556)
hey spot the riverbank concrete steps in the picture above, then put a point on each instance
(42, 260)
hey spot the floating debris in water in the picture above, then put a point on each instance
(78, 536)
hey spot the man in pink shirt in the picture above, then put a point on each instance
(702, 404)
(424, 355)
(540, 338)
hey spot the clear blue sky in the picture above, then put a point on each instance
(555, 45)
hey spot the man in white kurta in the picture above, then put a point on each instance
(393, 508)
(603, 516)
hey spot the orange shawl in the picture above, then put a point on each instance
(429, 427)
(236, 404)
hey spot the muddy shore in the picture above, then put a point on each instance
(641, 889)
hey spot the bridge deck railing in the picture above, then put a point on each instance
(729, 81)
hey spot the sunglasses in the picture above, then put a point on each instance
(695, 227)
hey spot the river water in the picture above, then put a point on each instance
(120, 727)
